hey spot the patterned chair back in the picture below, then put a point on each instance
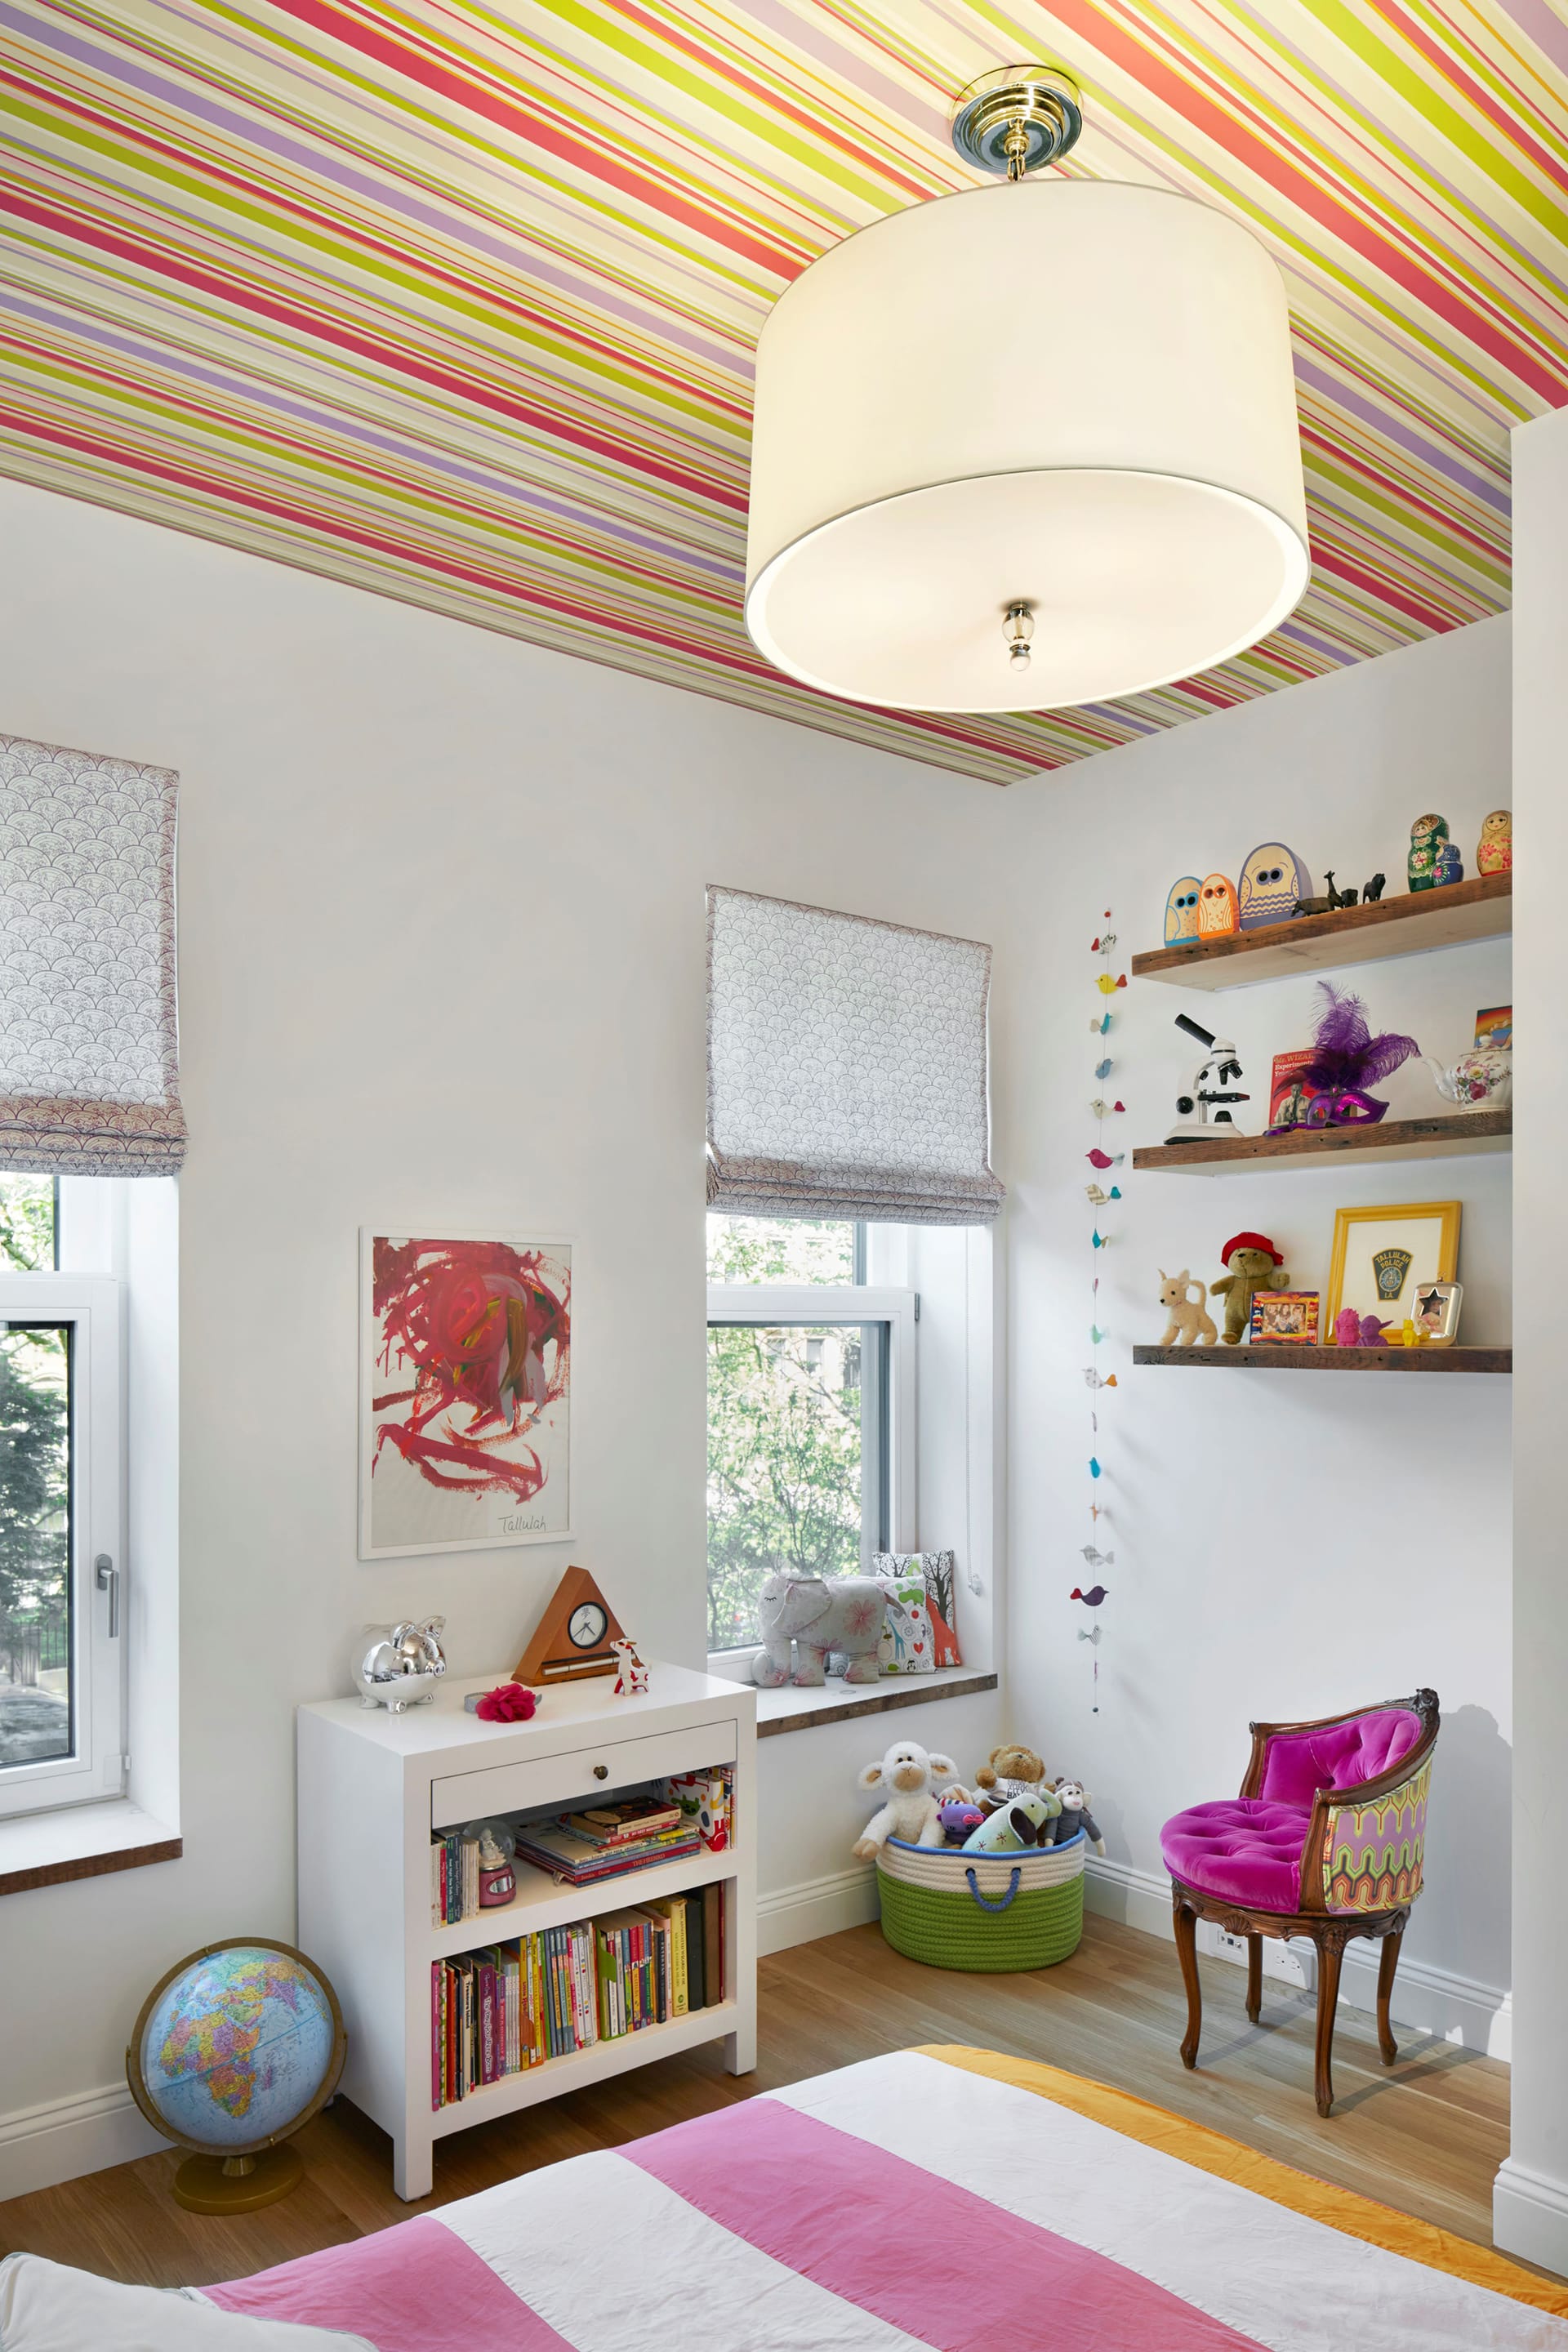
(1372, 1845)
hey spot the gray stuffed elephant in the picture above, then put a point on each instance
(818, 1613)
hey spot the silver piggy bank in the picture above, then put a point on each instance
(401, 1663)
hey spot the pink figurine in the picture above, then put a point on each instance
(631, 1674)
(1347, 1329)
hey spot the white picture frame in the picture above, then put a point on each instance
(483, 1457)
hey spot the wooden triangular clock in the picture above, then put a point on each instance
(571, 1640)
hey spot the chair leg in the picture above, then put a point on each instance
(1255, 1977)
(1186, 1926)
(1388, 1960)
(1330, 1952)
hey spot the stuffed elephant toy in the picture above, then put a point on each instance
(816, 1615)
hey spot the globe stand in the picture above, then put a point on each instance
(237, 2184)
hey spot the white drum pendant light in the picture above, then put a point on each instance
(1029, 446)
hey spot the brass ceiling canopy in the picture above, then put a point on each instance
(1017, 118)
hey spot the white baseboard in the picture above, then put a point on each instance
(819, 1906)
(1431, 1999)
(66, 2138)
(1529, 2215)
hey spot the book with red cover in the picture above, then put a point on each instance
(1288, 1091)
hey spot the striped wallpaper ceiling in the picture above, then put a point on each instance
(459, 302)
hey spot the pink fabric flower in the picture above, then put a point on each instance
(508, 1702)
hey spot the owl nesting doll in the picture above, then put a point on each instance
(1428, 835)
(1182, 911)
(1217, 908)
(1494, 852)
(1272, 879)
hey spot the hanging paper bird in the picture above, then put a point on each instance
(1103, 1069)
(1098, 1028)
(1098, 1158)
(1099, 1241)
(1347, 1059)
(1096, 1333)
(1095, 1380)
(1096, 1198)
(1093, 1467)
(1107, 986)
(1092, 1597)
(1103, 1110)
(1097, 1559)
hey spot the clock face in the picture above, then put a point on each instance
(587, 1625)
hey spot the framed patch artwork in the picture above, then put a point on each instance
(1382, 1254)
(465, 1392)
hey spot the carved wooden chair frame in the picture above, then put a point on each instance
(1330, 1931)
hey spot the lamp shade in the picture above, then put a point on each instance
(1072, 395)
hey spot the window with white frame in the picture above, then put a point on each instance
(61, 1513)
(811, 1412)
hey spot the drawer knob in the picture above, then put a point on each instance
(601, 1771)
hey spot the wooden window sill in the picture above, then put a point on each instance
(81, 1841)
(791, 1709)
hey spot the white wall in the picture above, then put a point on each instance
(1531, 2203)
(442, 959)
(1286, 1545)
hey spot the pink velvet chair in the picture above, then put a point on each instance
(1324, 1840)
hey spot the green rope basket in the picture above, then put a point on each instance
(989, 1912)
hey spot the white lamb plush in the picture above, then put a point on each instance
(916, 1784)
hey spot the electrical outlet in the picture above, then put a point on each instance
(1281, 1961)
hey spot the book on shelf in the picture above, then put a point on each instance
(632, 1817)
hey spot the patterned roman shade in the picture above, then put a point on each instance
(846, 1067)
(89, 1050)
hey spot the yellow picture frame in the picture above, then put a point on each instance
(1418, 1228)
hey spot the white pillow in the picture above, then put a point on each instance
(48, 2308)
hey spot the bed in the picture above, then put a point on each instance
(945, 2197)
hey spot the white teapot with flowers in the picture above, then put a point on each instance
(1481, 1079)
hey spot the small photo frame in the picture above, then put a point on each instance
(1284, 1318)
(1494, 1025)
(1434, 1310)
(1381, 1255)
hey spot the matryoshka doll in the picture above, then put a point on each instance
(1427, 835)
(1182, 911)
(1272, 880)
(1494, 852)
(1217, 908)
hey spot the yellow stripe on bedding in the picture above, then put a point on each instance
(1211, 2151)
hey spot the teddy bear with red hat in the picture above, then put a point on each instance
(1251, 1264)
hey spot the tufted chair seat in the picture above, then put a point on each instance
(1245, 1849)
(1325, 1841)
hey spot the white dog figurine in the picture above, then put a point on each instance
(916, 1784)
(631, 1674)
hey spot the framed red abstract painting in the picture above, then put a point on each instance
(465, 1392)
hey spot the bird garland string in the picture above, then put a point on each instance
(1102, 1108)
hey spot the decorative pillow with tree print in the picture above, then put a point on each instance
(919, 1635)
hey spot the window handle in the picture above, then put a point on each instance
(109, 1582)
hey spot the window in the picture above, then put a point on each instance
(61, 1701)
(810, 1412)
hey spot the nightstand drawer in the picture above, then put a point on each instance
(555, 1779)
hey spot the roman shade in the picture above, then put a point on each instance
(846, 1066)
(88, 1048)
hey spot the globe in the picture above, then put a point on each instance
(235, 2048)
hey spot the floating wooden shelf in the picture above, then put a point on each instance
(1331, 1360)
(1340, 1147)
(1411, 924)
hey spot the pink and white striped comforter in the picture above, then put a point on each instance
(905, 2202)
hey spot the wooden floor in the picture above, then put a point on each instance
(1428, 2136)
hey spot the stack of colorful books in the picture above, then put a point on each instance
(600, 1842)
(499, 2010)
(453, 1878)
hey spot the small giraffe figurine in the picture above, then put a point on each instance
(631, 1674)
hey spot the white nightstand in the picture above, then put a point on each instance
(373, 1786)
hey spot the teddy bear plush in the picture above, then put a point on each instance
(1075, 1815)
(1008, 1771)
(1251, 1264)
(916, 1783)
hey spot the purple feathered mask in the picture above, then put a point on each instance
(1347, 1059)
